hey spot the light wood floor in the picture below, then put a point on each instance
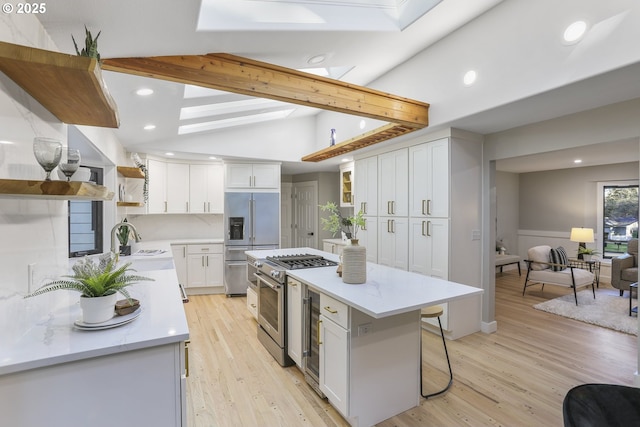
(515, 377)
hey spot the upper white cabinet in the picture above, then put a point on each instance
(252, 176)
(346, 185)
(157, 186)
(206, 190)
(177, 185)
(393, 242)
(366, 186)
(393, 183)
(429, 179)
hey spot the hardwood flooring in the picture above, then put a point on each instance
(517, 376)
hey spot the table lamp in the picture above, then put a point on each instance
(582, 236)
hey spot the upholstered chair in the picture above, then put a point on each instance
(624, 268)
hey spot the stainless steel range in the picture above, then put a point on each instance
(272, 299)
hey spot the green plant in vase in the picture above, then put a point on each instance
(123, 234)
(337, 223)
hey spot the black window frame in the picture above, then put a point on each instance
(97, 218)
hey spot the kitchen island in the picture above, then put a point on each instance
(53, 374)
(369, 334)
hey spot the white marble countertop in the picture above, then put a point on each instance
(39, 331)
(336, 241)
(387, 291)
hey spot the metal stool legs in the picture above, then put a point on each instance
(435, 312)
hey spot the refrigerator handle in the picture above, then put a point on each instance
(253, 220)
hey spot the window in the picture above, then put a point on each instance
(619, 217)
(85, 223)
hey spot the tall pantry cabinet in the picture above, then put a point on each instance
(428, 213)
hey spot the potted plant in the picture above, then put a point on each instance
(98, 281)
(90, 49)
(337, 223)
(587, 253)
(123, 234)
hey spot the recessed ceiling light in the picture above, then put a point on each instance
(574, 32)
(6, 142)
(169, 154)
(144, 91)
(577, 161)
(362, 124)
(149, 127)
(347, 159)
(470, 77)
(317, 59)
(212, 157)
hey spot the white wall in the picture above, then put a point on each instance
(508, 211)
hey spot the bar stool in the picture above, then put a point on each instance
(429, 313)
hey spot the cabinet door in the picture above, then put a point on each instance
(429, 247)
(177, 188)
(393, 183)
(238, 175)
(334, 363)
(180, 261)
(393, 242)
(419, 179)
(252, 302)
(366, 186)
(157, 187)
(294, 320)
(438, 179)
(198, 187)
(266, 176)
(215, 188)
(196, 271)
(368, 237)
(214, 266)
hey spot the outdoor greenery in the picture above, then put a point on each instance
(95, 279)
(336, 222)
(621, 202)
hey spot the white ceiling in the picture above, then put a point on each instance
(366, 37)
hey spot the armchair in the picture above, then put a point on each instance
(624, 268)
(551, 266)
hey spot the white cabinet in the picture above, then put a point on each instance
(429, 179)
(157, 186)
(206, 189)
(294, 322)
(177, 188)
(334, 352)
(366, 186)
(252, 302)
(334, 246)
(393, 183)
(346, 185)
(252, 176)
(180, 262)
(393, 242)
(205, 266)
(368, 237)
(429, 247)
(156, 373)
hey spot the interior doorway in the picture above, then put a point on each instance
(305, 208)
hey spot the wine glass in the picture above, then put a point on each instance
(70, 164)
(48, 152)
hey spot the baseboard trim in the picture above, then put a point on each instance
(489, 327)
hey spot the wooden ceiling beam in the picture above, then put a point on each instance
(249, 77)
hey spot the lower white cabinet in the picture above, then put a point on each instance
(368, 237)
(145, 387)
(393, 242)
(252, 302)
(334, 363)
(205, 268)
(429, 247)
(180, 262)
(294, 315)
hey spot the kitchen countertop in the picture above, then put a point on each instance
(39, 331)
(387, 291)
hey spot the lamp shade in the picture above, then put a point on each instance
(581, 235)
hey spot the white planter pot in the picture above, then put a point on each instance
(99, 309)
(586, 257)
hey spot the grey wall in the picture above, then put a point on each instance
(508, 209)
(560, 199)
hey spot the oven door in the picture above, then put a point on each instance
(271, 308)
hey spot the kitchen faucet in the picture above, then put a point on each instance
(115, 228)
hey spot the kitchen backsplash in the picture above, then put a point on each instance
(171, 226)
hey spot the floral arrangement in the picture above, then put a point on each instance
(336, 222)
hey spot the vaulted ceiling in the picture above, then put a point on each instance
(525, 72)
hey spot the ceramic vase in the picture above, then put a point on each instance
(354, 263)
(98, 309)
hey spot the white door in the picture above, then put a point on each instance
(305, 205)
(286, 212)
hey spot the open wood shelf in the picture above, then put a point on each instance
(68, 190)
(131, 204)
(130, 172)
(383, 133)
(69, 86)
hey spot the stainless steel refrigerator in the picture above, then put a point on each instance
(252, 222)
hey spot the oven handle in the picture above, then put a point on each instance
(260, 278)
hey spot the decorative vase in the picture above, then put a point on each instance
(125, 250)
(98, 309)
(586, 257)
(354, 263)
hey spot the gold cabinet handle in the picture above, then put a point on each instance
(186, 357)
(423, 224)
(318, 332)
(429, 228)
(253, 306)
(424, 209)
(428, 207)
(330, 310)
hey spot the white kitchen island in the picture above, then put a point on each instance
(370, 334)
(54, 374)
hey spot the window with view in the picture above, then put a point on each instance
(85, 223)
(620, 218)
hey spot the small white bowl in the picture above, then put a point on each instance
(82, 174)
